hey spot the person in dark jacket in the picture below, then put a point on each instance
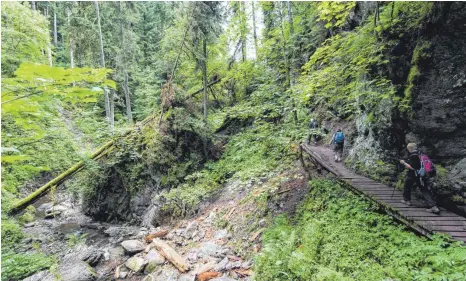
(313, 126)
(412, 179)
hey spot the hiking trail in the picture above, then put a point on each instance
(414, 216)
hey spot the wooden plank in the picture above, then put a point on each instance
(460, 239)
(413, 214)
(439, 218)
(457, 234)
(442, 223)
(448, 228)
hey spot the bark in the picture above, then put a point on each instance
(112, 110)
(243, 31)
(49, 55)
(171, 255)
(57, 181)
(68, 15)
(254, 27)
(33, 5)
(208, 85)
(101, 44)
(129, 113)
(55, 34)
(204, 74)
(99, 153)
(102, 63)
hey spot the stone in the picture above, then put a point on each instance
(40, 276)
(133, 246)
(191, 229)
(154, 256)
(207, 249)
(223, 278)
(136, 264)
(75, 270)
(31, 224)
(220, 234)
(123, 274)
(116, 252)
(187, 277)
(92, 256)
(45, 206)
(221, 266)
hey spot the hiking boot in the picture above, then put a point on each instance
(406, 202)
(336, 158)
(433, 210)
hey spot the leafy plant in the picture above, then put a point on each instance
(337, 235)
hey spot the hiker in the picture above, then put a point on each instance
(413, 178)
(313, 126)
(338, 141)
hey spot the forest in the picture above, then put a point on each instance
(150, 140)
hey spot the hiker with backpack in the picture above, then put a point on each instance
(338, 141)
(419, 169)
(313, 126)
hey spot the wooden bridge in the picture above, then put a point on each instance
(414, 216)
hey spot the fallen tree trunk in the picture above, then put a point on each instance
(41, 191)
(171, 255)
(208, 85)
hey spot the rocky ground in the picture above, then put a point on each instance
(217, 244)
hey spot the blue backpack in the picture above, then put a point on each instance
(339, 137)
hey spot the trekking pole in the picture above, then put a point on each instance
(398, 175)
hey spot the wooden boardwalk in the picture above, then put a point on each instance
(415, 216)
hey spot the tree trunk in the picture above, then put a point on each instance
(290, 61)
(204, 96)
(33, 5)
(112, 111)
(101, 44)
(55, 34)
(254, 27)
(49, 55)
(243, 31)
(102, 61)
(129, 114)
(204, 74)
(68, 15)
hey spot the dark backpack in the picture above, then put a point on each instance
(313, 125)
(339, 137)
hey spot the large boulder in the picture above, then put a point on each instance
(458, 175)
(133, 246)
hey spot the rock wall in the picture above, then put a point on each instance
(439, 94)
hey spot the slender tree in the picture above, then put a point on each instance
(102, 63)
(254, 27)
(129, 114)
(55, 33)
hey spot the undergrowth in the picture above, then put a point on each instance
(337, 235)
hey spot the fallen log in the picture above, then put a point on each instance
(99, 153)
(171, 255)
(208, 85)
(158, 234)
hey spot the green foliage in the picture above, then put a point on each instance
(339, 77)
(20, 266)
(25, 35)
(336, 235)
(334, 14)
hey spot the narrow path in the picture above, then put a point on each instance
(415, 216)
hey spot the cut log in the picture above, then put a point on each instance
(205, 276)
(158, 234)
(171, 255)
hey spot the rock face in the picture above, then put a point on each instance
(439, 95)
(133, 246)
